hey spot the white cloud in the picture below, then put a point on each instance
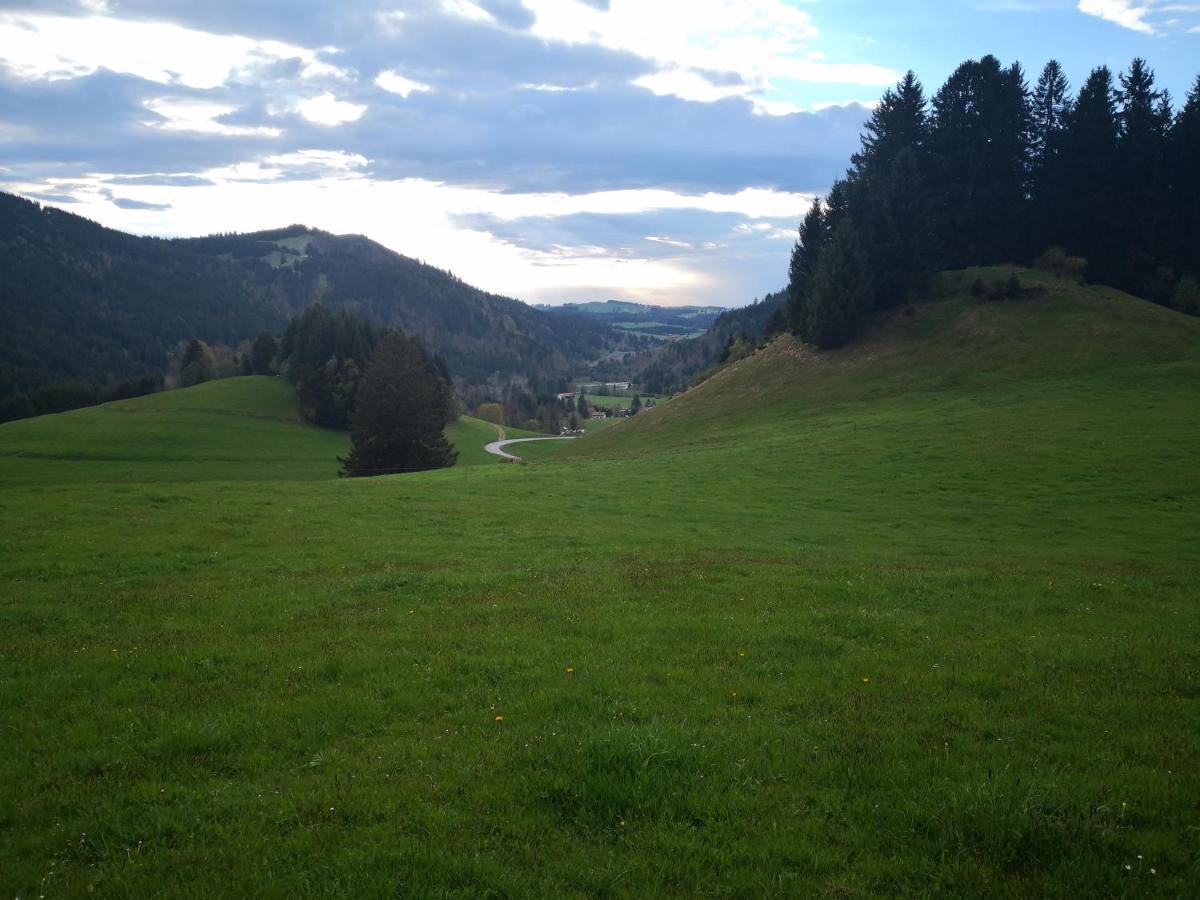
(199, 117)
(57, 47)
(550, 88)
(709, 50)
(398, 84)
(1125, 13)
(334, 160)
(465, 9)
(326, 109)
(688, 85)
(258, 194)
(1145, 16)
(670, 242)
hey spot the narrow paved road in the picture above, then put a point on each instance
(496, 447)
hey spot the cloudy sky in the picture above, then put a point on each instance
(552, 150)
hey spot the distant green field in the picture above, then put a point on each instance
(243, 429)
(603, 402)
(590, 425)
(914, 618)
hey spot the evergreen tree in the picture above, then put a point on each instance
(806, 255)
(896, 221)
(582, 406)
(402, 408)
(1049, 112)
(980, 153)
(1141, 179)
(196, 366)
(636, 406)
(263, 354)
(1184, 178)
(324, 356)
(1088, 167)
(899, 123)
(843, 290)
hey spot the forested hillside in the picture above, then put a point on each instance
(86, 304)
(1102, 184)
(673, 367)
(79, 302)
(478, 333)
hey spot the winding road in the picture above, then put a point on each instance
(496, 447)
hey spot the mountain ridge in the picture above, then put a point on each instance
(83, 302)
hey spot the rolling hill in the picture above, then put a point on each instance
(234, 429)
(86, 303)
(917, 616)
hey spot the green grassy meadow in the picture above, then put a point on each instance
(601, 401)
(469, 436)
(919, 617)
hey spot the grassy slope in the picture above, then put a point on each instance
(602, 402)
(243, 429)
(469, 436)
(915, 617)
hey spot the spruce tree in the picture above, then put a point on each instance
(1049, 111)
(1087, 172)
(843, 290)
(1184, 179)
(196, 366)
(1141, 179)
(895, 222)
(980, 149)
(402, 408)
(263, 354)
(806, 255)
(899, 123)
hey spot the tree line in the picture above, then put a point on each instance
(394, 396)
(994, 171)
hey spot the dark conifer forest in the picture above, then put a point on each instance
(89, 314)
(1103, 183)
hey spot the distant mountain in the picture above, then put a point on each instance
(659, 323)
(82, 302)
(481, 335)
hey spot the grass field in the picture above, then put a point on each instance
(243, 429)
(918, 617)
(602, 402)
(469, 436)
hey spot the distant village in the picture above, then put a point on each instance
(578, 400)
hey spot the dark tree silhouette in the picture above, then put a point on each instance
(1106, 185)
(401, 412)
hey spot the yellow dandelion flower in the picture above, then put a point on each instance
(570, 669)
(866, 681)
(499, 718)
